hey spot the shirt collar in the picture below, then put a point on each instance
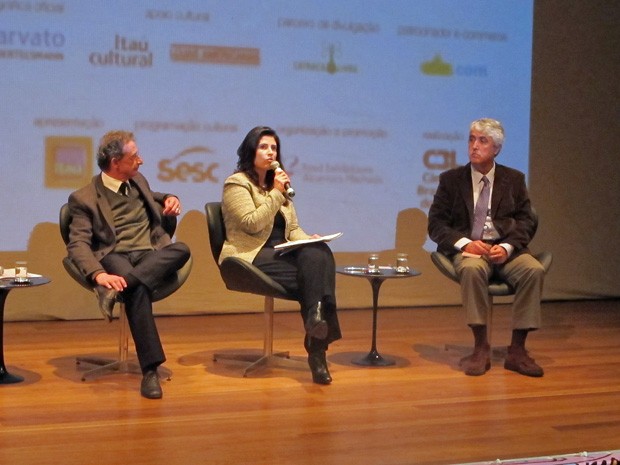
(110, 182)
(476, 176)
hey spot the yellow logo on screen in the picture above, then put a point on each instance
(68, 162)
(437, 67)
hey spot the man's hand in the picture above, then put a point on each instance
(172, 206)
(477, 248)
(497, 255)
(111, 281)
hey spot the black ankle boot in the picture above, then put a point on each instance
(318, 366)
(315, 325)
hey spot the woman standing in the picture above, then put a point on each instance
(258, 215)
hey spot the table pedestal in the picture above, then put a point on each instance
(374, 358)
(5, 376)
(6, 284)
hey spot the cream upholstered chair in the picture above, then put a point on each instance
(241, 276)
(122, 363)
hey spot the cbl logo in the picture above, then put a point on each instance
(178, 169)
(436, 159)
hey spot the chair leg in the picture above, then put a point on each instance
(269, 358)
(121, 364)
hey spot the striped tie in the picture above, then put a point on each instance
(480, 212)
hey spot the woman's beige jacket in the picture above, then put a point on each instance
(249, 213)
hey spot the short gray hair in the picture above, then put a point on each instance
(490, 127)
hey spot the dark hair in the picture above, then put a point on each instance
(111, 146)
(247, 153)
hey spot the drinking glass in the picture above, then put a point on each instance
(21, 272)
(373, 263)
(402, 263)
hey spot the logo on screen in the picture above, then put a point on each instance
(439, 159)
(189, 166)
(435, 161)
(439, 67)
(68, 162)
(332, 64)
(195, 53)
(32, 45)
(436, 67)
(125, 53)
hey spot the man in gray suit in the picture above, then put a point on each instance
(495, 243)
(117, 240)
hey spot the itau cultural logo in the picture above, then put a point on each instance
(126, 53)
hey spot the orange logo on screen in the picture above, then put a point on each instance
(68, 162)
(195, 53)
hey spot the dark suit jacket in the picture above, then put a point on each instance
(92, 235)
(451, 215)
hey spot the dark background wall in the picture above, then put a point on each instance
(574, 158)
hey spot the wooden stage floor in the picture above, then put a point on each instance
(423, 410)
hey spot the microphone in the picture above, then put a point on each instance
(290, 192)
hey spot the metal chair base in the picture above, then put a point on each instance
(122, 364)
(269, 358)
(107, 366)
(274, 360)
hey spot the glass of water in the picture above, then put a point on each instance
(21, 272)
(402, 263)
(373, 263)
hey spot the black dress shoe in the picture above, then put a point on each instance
(315, 325)
(150, 387)
(318, 366)
(106, 298)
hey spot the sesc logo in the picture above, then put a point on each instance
(178, 168)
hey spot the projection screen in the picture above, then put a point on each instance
(371, 99)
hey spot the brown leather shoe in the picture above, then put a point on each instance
(478, 363)
(518, 360)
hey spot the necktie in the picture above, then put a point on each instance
(123, 189)
(480, 211)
